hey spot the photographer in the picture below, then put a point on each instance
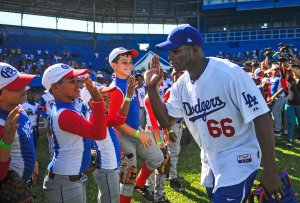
(268, 54)
(292, 106)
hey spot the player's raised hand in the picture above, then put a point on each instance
(130, 86)
(153, 73)
(95, 93)
(11, 126)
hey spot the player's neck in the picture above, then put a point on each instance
(197, 69)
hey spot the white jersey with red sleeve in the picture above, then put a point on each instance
(219, 109)
(150, 117)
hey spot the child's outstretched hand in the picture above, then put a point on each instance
(130, 87)
(95, 93)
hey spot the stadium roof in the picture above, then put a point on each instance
(110, 11)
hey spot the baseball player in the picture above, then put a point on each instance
(108, 150)
(65, 179)
(132, 140)
(141, 91)
(225, 113)
(17, 152)
(157, 179)
(175, 134)
(30, 107)
(44, 108)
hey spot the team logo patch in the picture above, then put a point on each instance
(245, 158)
(64, 66)
(8, 72)
(250, 100)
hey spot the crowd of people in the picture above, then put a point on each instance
(102, 125)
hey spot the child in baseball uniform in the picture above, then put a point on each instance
(17, 152)
(65, 179)
(225, 113)
(106, 174)
(132, 140)
(30, 107)
(140, 91)
(175, 134)
(157, 179)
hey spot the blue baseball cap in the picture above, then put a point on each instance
(183, 35)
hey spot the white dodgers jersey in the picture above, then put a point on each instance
(219, 109)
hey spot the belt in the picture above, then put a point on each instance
(72, 178)
(148, 127)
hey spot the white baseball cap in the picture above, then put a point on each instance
(86, 96)
(11, 79)
(58, 71)
(121, 50)
(257, 71)
(99, 75)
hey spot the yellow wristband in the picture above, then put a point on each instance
(136, 135)
(160, 142)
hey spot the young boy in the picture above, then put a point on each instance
(131, 139)
(65, 179)
(30, 107)
(156, 180)
(16, 153)
(108, 150)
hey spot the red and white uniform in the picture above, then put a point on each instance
(219, 114)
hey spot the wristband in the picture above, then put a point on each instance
(48, 117)
(160, 142)
(170, 131)
(127, 99)
(3, 145)
(136, 135)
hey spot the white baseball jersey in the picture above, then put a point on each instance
(31, 110)
(219, 109)
(45, 106)
(141, 93)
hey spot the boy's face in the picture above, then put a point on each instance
(9, 99)
(124, 67)
(67, 89)
(106, 98)
(30, 95)
(139, 80)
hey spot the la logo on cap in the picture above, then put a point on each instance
(189, 40)
(8, 72)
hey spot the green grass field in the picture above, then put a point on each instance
(188, 166)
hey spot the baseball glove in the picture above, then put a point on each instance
(13, 189)
(186, 137)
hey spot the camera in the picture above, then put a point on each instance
(268, 52)
(284, 52)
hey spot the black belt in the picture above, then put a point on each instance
(72, 178)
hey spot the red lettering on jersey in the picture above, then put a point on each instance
(216, 129)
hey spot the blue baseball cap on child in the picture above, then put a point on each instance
(183, 35)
